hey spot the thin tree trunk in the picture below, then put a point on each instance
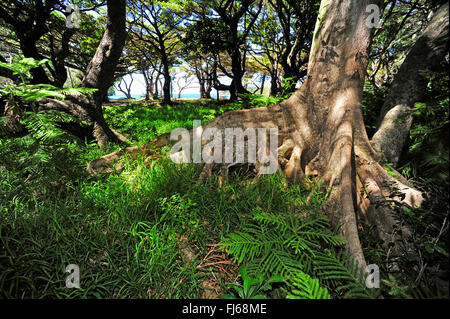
(156, 86)
(166, 74)
(262, 84)
(208, 87)
(166, 88)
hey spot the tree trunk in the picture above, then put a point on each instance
(208, 88)
(262, 84)
(100, 71)
(28, 45)
(205, 83)
(99, 75)
(201, 82)
(321, 132)
(238, 74)
(148, 79)
(156, 86)
(409, 85)
(274, 90)
(166, 72)
(166, 87)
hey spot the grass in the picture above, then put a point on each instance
(123, 230)
(148, 231)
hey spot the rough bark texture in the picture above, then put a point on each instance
(321, 131)
(100, 71)
(409, 85)
(99, 75)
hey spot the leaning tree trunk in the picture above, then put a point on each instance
(408, 87)
(99, 75)
(321, 132)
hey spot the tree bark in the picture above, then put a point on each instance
(321, 132)
(408, 87)
(100, 71)
(99, 75)
(274, 87)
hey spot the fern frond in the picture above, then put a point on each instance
(305, 287)
(273, 220)
(342, 273)
(42, 127)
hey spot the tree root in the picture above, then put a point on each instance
(378, 193)
(359, 186)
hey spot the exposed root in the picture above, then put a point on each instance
(378, 192)
(111, 162)
(293, 170)
(349, 172)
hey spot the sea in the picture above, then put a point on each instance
(121, 96)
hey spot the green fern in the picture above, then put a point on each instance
(42, 128)
(25, 91)
(284, 245)
(343, 274)
(300, 250)
(305, 287)
(280, 244)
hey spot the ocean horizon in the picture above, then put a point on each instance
(175, 96)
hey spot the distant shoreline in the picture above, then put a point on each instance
(192, 96)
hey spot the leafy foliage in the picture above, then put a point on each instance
(31, 92)
(305, 287)
(252, 288)
(428, 154)
(342, 274)
(292, 245)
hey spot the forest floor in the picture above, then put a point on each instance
(147, 232)
(151, 231)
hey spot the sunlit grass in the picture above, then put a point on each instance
(123, 230)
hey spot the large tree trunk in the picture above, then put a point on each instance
(409, 85)
(100, 75)
(321, 131)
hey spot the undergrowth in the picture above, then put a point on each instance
(126, 231)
